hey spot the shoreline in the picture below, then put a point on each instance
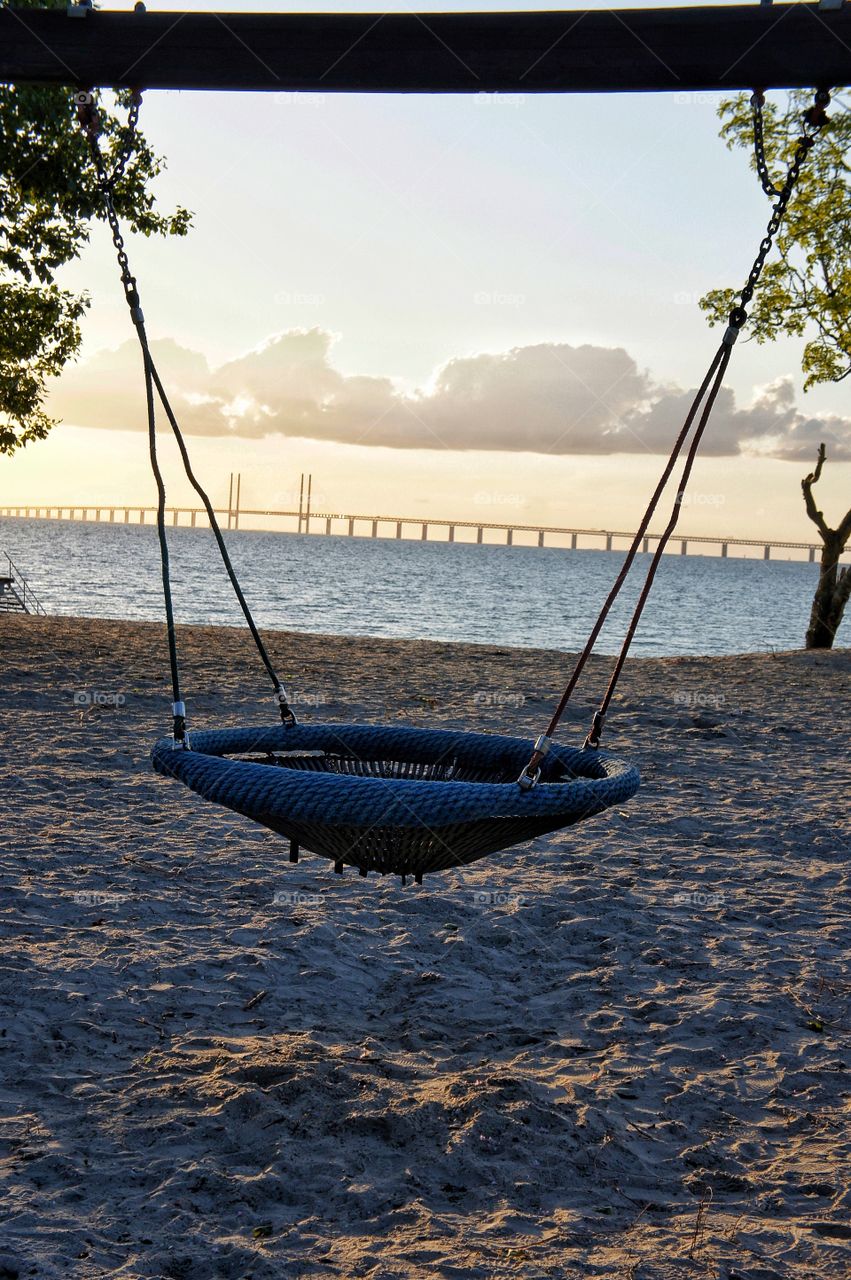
(287, 635)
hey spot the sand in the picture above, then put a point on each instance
(619, 1051)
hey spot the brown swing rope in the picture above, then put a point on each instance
(815, 119)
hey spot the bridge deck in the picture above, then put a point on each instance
(354, 522)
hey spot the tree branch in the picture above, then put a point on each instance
(807, 486)
(828, 283)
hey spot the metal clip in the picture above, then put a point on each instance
(531, 775)
(738, 319)
(180, 740)
(288, 716)
(529, 779)
(592, 741)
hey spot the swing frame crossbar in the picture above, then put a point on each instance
(679, 50)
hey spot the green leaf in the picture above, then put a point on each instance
(805, 289)
(48, 200)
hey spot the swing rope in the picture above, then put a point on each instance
(814, 119)
(90, 124)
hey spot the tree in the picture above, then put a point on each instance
(834, 585)
(48, 199)
(808, 287)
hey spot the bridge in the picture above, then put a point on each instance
(304, 520)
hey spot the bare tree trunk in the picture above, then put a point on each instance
(830, 598)
(834, 584)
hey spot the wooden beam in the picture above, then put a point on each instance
(632, 50)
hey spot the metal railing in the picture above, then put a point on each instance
(16, 593)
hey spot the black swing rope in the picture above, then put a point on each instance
(88, 119)
(814, 119)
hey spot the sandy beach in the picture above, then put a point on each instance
(619, 1051)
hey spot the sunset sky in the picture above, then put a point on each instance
(445, 306)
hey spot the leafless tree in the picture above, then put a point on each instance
(834, 584)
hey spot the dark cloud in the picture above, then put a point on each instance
(547, 398)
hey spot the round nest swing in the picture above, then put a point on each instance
(400, 799)
(395, 799)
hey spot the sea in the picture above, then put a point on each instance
(527, 597)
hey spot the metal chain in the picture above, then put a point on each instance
(128, 139)
(90, 124)
(89, 119)
(815, 119)
(757, 103)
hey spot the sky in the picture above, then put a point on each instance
(453, 306)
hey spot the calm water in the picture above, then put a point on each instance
(519, 596)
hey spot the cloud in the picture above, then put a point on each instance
(546, 398)
(771, 425)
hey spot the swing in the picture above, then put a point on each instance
(397, 799)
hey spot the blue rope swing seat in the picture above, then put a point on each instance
(396, 799)
(388, 799)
